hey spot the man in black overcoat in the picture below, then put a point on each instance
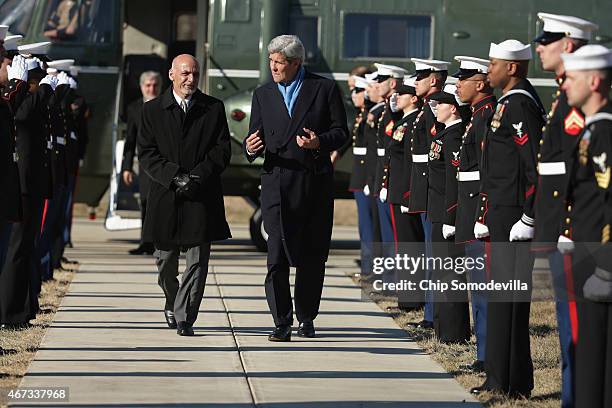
(184, 147)
(296, 121)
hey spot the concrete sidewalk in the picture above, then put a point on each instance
(110, 346)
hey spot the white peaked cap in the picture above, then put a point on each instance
(452, 89)
(410, 81)
(573, 27)
(371, 77)
(587, 58)
(40, 48)
(10, 42)
(390, 70)
(3, 31)
(61, 65)
(510, 50)
(430, 65)
(473, 63)
(51, 71)
(360, 82)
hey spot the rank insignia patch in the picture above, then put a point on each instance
(389, 128)
(602, 176)
(520, 138)
(605, 234)
(455, 159)
(573, 122)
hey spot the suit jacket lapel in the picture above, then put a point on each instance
(309, 90)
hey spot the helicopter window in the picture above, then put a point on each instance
(367, 36)
(307, 28)
(236, 11)
(17, 15)
(79, 21)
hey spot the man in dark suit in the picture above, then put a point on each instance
(296, 121)
(184, 147)
(150, 83)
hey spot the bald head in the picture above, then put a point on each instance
(185, 75)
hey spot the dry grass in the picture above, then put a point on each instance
(21, 345)
(544, 352)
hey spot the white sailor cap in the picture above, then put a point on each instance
(391, 71)
(360, 82)
(557, 26)
(371, 78)
(470, 66)
(61, 65)
(510, 50)
(3, 31)
(587, 58)
(36, 49)
(10, 42)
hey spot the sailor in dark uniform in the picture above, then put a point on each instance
(19, 284)
(430, 78)
(358, 175)
(561, 34)
(473, 88)
(508, 173)
(10, 205)
(451, 309)
(587, 219)
(407, 228)
(389, 78)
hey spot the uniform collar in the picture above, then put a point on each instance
(410, 113)
(453, 123)
(484, 101)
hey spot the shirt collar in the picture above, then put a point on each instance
(454, 122)
(410, 112)
(178, 99)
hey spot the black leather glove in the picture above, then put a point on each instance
(187, 186)
(179, 181)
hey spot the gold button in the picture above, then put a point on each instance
(384, 177)
(569, 208)
(567, 220)
(361, 161)
(484, 198)
(555, 193)
(566, 232)
(481, 208)
(479, 218)
(386, 170)
(541, 142)
(539, 156)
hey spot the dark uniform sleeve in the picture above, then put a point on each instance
(600, 155)
(527, 122)
(255, 124)
(14, 94)
(218, 157)
(338, 132)
(129, 148)
(452, 146)
(152, 161)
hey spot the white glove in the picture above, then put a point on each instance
(81, 162)
(18, 69)
(393, 102)
(481, 230)
(448, 231)
(50, 80)
(72, 83)
(382, 196)
(434, 107)
(62, 79)
(34, 63)
(403, 209)
(565, 245)
(598, 288)
(366, 190)
(522, 230)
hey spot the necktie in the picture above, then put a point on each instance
(184, 105)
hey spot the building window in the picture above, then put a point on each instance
(79, 21)
(186, 27)
(307, 29)
(386, 36)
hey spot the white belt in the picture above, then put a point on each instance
(420, 158)
(73, 136)
(380, 152)
(551, 168)
(61, 141)
(360, 151)
(468, 176)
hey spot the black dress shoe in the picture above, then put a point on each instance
(169, 315)
(479, 390)
(426, 325)
(142, 249)
(184, 329)
(477, 366)
(306, 329)
(15, 326)
(281, 333)
(69, 261)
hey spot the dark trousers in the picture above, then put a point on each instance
(377, 237)
(366, 230)
(429, 305)
(184, 299)
(508, 361)
(18, 296)
(58, 242)
(5, 236)
(409, 234)
(476, 249)
(309, 279)
(451, 315)
(143, 214)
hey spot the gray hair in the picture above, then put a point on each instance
(288, 45)
(150, 75)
